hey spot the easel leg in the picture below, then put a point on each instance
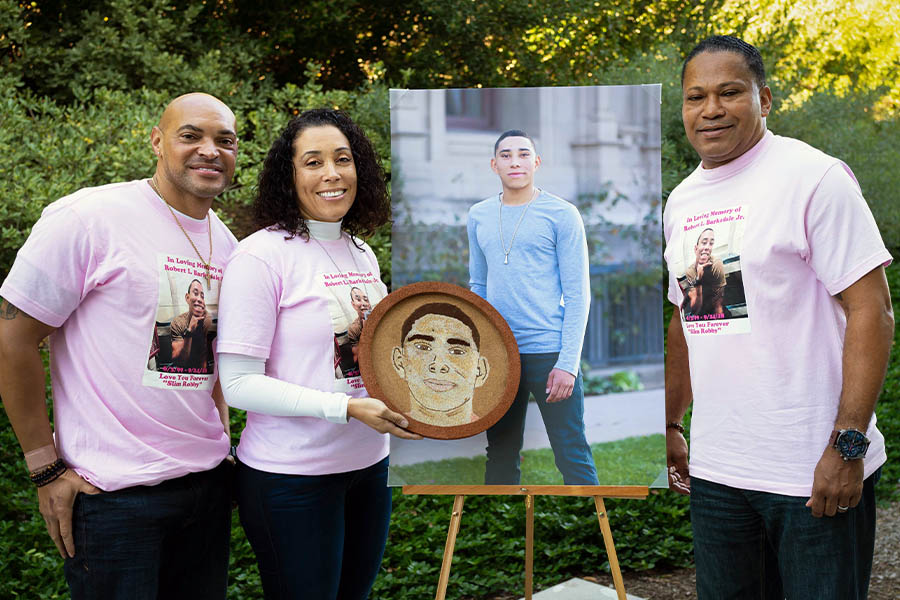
(455, 518)
(529, 545)
(610, 547)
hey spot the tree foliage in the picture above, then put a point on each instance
(82, 83)
(810, 46)
(49, 149)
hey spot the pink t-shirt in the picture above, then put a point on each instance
(792, 229)
(110, 268)
(289, 302)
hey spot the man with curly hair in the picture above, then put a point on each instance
(133, 481)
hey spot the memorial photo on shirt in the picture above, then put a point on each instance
(181, 347)
(709, 272)
(574, 269)
(351, 296)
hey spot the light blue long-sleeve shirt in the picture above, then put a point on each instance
(544, 290)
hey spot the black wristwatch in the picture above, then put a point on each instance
(851, 443)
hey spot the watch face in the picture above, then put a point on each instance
(852, 444)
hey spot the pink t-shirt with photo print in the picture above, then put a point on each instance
(791, 229)
(289, 301)
(109, 268)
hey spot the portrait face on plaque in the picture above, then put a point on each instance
(439, 358)
(443, 357)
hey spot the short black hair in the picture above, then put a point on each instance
(704, 231)
(513, 133)
(444, 309)
(192, 283)
(728, 43)
(276, 205)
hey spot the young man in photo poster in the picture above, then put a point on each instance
(528, 257)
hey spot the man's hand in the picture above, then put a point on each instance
(55, 500)
(677, 461)
(836, 482)
(195, 320)
(678, 398)
(379, 417)
(559, 385)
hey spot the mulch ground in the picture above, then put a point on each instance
(679, 584)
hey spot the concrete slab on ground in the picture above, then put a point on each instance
(579, 589)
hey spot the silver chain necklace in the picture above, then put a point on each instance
(503, 247)
(355, 265)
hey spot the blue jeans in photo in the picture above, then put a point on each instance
(316, 537)
(758, 545)
(164, 541)
(564, 421)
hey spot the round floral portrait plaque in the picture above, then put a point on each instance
(442, 356)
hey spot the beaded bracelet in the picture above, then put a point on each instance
(675, 425)
(48, 474)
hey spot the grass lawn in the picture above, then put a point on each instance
(631, 461)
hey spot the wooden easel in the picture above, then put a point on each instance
(598, 492)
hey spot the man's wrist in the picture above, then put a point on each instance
(49, 474)
(850, 443)
(565, 370)
(40, 457)
(676, 425)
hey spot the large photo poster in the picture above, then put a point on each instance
(545, 202)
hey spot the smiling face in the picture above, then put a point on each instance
(359, 300)
(515, 161)
(195, 299)
(441, 364)
(196, 144)
(703, 247)
(324, 173)
(723, 108)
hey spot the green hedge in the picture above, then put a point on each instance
(50, 149)
(652, 533)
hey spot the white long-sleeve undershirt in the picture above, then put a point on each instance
(247, 387)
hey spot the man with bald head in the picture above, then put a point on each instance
(132, 477)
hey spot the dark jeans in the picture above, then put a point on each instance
(564, 421)
(166, 541)
(316, 537)
(757, 545)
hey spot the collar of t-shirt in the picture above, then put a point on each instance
(738, 164)
(177, 212)
(323, 230)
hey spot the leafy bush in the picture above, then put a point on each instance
(621, 381)
(849, 129)
(888, 408)
(51, 149)
(490, 546)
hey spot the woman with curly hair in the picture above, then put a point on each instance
(312, 477)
